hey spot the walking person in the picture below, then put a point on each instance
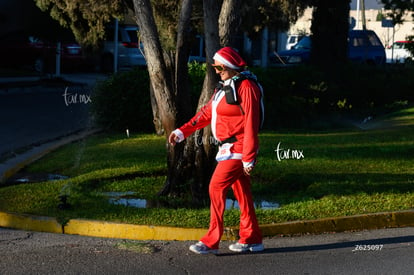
(234, 115)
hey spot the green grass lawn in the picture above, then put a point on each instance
(311, 175)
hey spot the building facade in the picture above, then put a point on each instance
(385, 32)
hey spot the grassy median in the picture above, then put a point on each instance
(311, 175)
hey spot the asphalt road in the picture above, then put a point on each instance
(33, 113)
(388, 251)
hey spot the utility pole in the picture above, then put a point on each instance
(58, 58)
(116, 49)
(361, 8)
(364, 23)
(357, 15)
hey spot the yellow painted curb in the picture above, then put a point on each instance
(128, 231)
(31, 223)
(341, 224)
(148, 232)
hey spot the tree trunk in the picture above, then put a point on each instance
(330, 25)
(195, 161)
(159, 78)
(182, 88)
(205, 149)
(229, 22)
(162, 88)
(159, 130)
(181, 164)
(190, 163)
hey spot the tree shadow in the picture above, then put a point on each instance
(291, 187)
(352, 245)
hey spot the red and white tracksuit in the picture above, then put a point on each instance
(229, 121)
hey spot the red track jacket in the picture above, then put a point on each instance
(229, 121)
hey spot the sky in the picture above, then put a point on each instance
(369, 4)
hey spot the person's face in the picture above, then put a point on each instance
(224, 72)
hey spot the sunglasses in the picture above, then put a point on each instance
(218, 68)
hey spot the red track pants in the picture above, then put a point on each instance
(229, 173)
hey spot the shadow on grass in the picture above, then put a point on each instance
(291, 187)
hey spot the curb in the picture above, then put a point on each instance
(341, 224)
(129, 231)
(101, 229)
(29, 222)
(105, 229)
(36, 153)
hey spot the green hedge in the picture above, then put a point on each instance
(295, 97)
(305, 97)
(123, 102)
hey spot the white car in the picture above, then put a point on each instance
(129, 53)
(398, 53)
(292, 40)
(131, 50)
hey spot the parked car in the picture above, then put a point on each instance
(398, 53)
(298, 54)
(130, 54)
(364, 46)
(21, 50)
(292, 40)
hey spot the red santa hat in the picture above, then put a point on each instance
(230, 58)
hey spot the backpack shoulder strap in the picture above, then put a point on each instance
(243, 76)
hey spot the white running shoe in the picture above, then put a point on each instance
(241, 247)
(201, 248)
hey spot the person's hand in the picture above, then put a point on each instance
(248, 170)
(173, 138)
